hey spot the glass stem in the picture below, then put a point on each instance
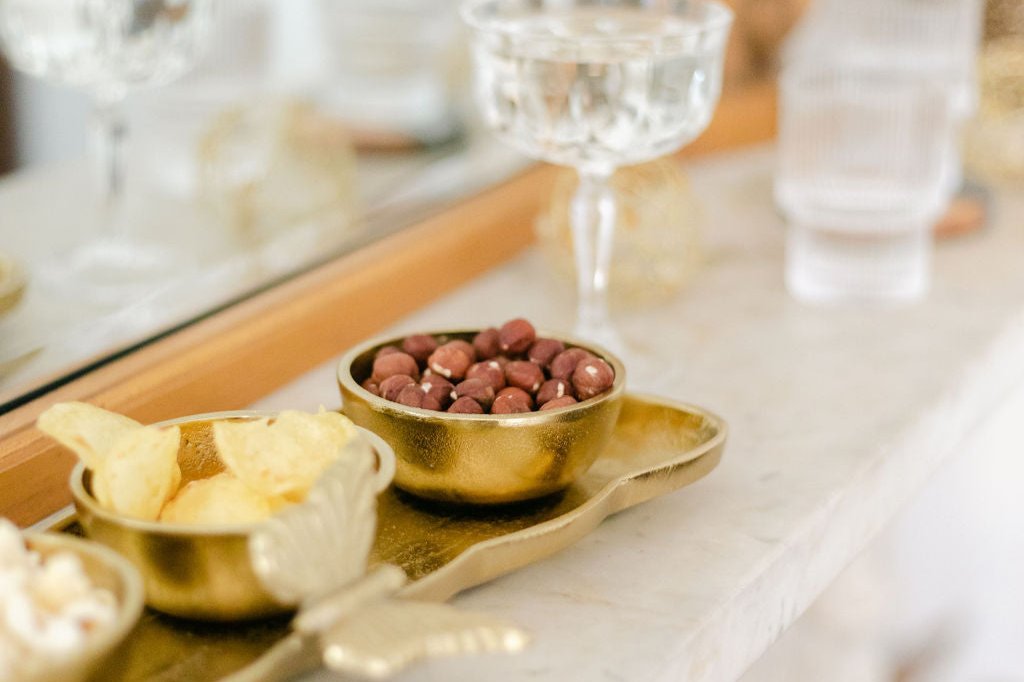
(593, 226)
(109, 133)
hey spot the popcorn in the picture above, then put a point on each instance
(48, 607)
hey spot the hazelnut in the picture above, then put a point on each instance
(393, 385)
(564, 401)
(510, 403)
(477, 389)
(450, 361)
(437, 387)
(394, 363)
(466, 405)
(543, 351)
(525, 375)
(386, 350)
(466, 347)
(371, 386)
(591, 377)
(487, 344)
(518, 394)
(411, 396)
(564, 364)
(553, 389)
(431, 403)
(516, 336)
(420, 346)
(490, 372)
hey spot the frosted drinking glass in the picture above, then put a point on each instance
(935, 39)
(860, 181)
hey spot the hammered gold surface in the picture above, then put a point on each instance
(196, 572)
(482, 458)
(657, 446)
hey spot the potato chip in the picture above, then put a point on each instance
(140, 473)
(218, 499)
(283, 458)
(88, 431)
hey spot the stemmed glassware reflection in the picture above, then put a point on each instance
(595, 85)
(106, 48)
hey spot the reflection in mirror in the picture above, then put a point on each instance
(309, 127)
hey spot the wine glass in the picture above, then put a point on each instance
(597, 84)
(106, 48)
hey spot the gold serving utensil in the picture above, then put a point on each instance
(315, 554)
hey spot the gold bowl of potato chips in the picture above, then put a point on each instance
(179, 499)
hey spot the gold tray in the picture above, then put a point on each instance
(658, 446)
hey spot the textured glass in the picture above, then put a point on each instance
(860, 179)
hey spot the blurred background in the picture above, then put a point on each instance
(265, 46)
(311, 126)
(304, 129)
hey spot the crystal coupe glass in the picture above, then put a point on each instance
(594, 85)
(106, 48)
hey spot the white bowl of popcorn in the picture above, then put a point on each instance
(65, 605)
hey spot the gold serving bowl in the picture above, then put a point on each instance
(482, 458)
(105, 569)
(194, 571)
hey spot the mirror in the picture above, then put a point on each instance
(308, 128)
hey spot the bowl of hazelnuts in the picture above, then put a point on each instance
(485, 416)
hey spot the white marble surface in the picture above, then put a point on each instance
(838, 416)
(936, 597)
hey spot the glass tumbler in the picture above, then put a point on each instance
(926, 38)
(860, 181)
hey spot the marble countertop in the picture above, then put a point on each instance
(837, 418)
